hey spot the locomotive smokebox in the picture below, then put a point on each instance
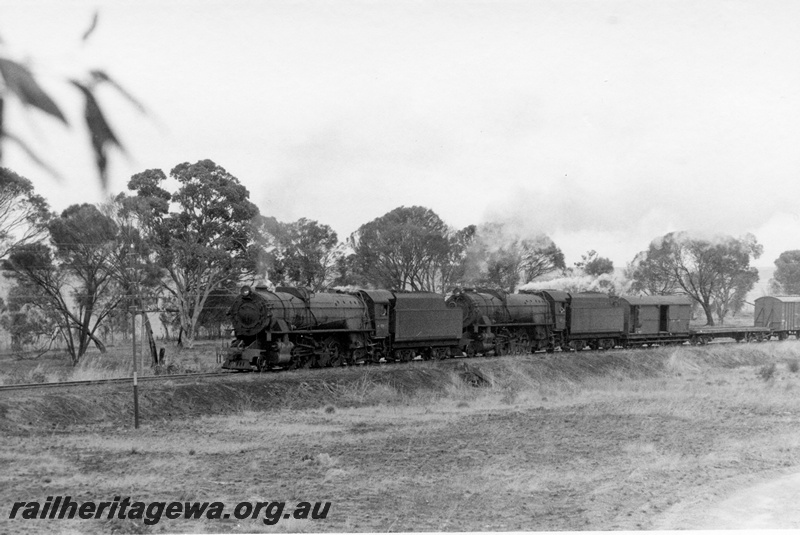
(477, 306)
(249, 313)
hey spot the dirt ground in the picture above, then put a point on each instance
(759, 503)
(680, 438)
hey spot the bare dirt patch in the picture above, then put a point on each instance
(591, 441)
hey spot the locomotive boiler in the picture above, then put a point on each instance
(502, 323)
(295, 328)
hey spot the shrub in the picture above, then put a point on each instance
(794, 365)
(767, 371)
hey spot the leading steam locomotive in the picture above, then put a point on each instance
(295, 328)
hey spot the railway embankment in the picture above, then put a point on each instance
(511, 378)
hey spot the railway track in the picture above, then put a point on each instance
(121, 380)
(710, 335)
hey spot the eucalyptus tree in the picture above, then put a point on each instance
(453, 266)
(786, 279)
(304, 253)
(73, 277)
(23, 213)
(401, 249)
(714, 271)
(28, 319)
(502, 257)
(201, 234)
(134, 265)
(595, 265)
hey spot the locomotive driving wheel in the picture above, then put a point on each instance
(378, 352)
(503, 343)
(577, 345)
(434, 353)
(302, 354)
(331, 354)
(405, 355)
(522, 345)
(359, 356)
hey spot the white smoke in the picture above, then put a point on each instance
(611, 283)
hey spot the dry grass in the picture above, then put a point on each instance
(601, 441)
(116, 362)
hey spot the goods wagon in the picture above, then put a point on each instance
(780, 314)
(656, 319)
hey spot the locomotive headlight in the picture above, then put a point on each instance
(245, 291)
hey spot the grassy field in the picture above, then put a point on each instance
(592, 441)
(118, 361)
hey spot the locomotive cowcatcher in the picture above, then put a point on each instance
(296, 328)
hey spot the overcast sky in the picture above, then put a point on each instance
(602, 124)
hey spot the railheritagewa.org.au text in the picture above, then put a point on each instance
(65, 508)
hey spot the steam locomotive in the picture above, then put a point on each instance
(295, 328)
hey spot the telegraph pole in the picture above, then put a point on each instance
(135, 371)
(144, 337)
(133, 349)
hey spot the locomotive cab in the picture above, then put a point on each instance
(558, 308)
(378, 304)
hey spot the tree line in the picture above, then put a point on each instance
(77, 275)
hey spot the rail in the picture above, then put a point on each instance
(118, 380)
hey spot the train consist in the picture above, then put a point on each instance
(294, 328)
